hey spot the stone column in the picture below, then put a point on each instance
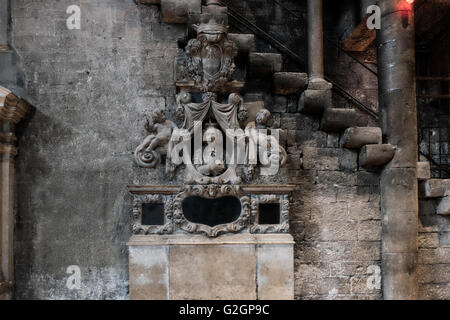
(7, 154)
(315, 39)
(317, 97)
(399, 198)
(12, 111)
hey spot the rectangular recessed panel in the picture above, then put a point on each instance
(153, 214)
(269, 213)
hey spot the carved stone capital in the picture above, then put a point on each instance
(12, 108)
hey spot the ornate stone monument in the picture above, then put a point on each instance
(213, 237)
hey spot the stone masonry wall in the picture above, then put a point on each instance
(91, 88)
(335, 217)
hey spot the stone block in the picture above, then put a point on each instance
(244, 42)
(335, 120)
(215, 10)
(264, 64)
(212, 272)
(279, 104)
(314, 101)
(177, 11)
(423, 171)
(373, 156)
(286, 83)
(428, 240)
(275, 272)
(149, 273)
(443, 207)
(233, 267)
(356, 137)
(434, 188)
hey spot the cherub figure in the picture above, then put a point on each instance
(260, 141)
(148, 153)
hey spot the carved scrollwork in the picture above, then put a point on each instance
(283, 226)
(148, 153)
(211, 192)
(139, 200)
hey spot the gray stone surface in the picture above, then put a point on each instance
(374, 156)
(289, 82)
(177, 11)
(356, 137)
(91, 88)
(335, 120)
(264, 64)
(236, 267)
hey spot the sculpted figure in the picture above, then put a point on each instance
(259, 139)
(148, 153)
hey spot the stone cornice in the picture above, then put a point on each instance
(256, 189)
(12, 108)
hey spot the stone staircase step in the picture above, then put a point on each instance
(335, 120)
(244, 42)
(215, 10)
(356, 137)
(264, 64)
(443, 207)
(423, 171)
(179, 11)
(434, 188)
(314, 101)
(286, 83)
(373, 156)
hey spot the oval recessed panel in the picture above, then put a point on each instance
(211, 212)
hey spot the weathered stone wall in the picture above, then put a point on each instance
(90, 88)
(336, 214)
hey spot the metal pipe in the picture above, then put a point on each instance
(399, 196)
(315, 39)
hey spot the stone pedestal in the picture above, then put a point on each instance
(237, 266)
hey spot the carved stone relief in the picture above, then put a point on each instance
(283, 226)
(139, 201)
(175, 220)
(211, 191)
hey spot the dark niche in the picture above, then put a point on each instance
(211, 212)
(269, 213)
(153, 214)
